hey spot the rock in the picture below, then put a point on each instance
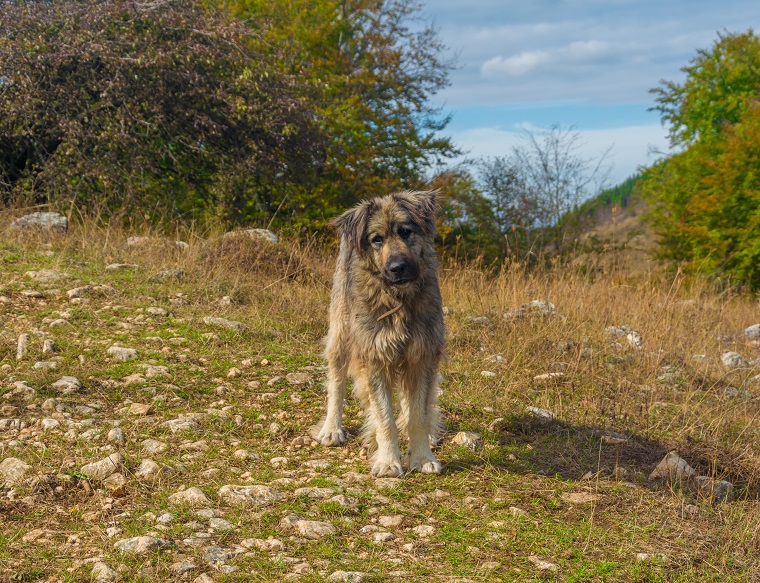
(390, 521)
(102, 573)
(46, 275)
(177, 274)
(157, 311)
(220, 524)
(100, 470)
(142, 544)
(13, 470)
(190, 497)
(116, 484)
(182, 423)
(316, 493)
(165, 519)
(534, 308)
(314, 529)
(489, 374)
(182, 567)
(541, 414)
(48, 424)
(33, 293)
(140, 409)
(634, 339)
(121, 267)
(245, 455)
(47, 221)
(122, 354)
(67, 385)
(49, 345)
(548, 376)
(257, 234)
(579, 497)
(732, 360)
(223, 323)
(215, 554)
(717, 490)
(753, 331)
(348, 577)
(468, 439)
(248, 495)
(152, 371)
(384, 537)
(22, 347)
(542, 565)
(153, 446)
(150, 471)
(298, 378)
(672, 468)
(116, 436)
(203, 578)
(424, 530)
(78, 292)
(45, 365)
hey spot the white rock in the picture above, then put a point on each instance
(672, 468)
(142, 544)
(468, 439)
(548, 376)
(718, 490)
(46, 275)
(48, 424)
(223, 323)
(13, 470)
(542, 565)
(78, 292)
(153, 446)
(248, 495)
(258, 234)
(102, 573)
(47, 221)
(753, 331)
(22, 346)
(150, 471)
(67, 385)
(314, 529)
(122, 354)
(116, 435)
(732, 360)
(424, 530)
(121, 266)
(190, 497)
(100, 470)
(348, 577)
(541, 414)
(182, 423)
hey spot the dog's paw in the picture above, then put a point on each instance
(425, 465)
(331, 436)
(387, 468)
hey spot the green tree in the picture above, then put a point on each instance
(720, 84)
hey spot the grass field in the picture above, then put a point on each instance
(565, 499)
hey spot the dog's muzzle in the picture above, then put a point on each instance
(399, 270)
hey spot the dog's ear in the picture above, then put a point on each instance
(352, 225)
(422, 206)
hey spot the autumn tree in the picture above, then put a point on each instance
(705, 199)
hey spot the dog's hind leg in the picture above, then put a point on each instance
(418, 395)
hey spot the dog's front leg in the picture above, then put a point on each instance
(330, 430)
(419, 410)
(386, 460)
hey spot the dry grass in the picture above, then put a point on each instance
(659, 397)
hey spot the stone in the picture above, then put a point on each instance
(424, 530)
(214, 554)
(223, 323)
(177, 274)
(45, 365)
(579, 497)
(467, 439)
(152, 371)
(220, 524)
(51, 222)
(298, 378)
(157, 311)
(248, 495)
(182, 423)
(203, 578)
(78, 292)
(549, 376)
(753, 331)
(165, 519)
(672, 468)
(190, 497)
(121, 267)
(390, 521)
(116, 436)
(102, 573)
(46, 275)
(49, 346)
(150, 471)
(48, 424)
(116, 484)
(140, 409)
(33, 293)
(257, 234)
(142, 544)
(22, 346)
(542, 565)
(541, 414)
(153, 446)
(717, 490)
(13, 470)
(348, 577)
(314, 529)
(732, 360)
(100, 470)
(67, 385)
(316, 493)
(245, 455)
(122, 354)
(383, 537)
(182, 567)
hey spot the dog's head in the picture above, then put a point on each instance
(392, 233)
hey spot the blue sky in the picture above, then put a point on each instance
(582, 63)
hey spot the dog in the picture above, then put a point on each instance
(386, 330)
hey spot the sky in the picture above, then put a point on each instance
(586, 64)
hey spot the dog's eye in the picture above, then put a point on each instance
(377, 240)
(404, 232)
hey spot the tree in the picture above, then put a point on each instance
(159, 108)
(371, 68)
(720, 85)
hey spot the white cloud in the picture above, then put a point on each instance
(577, 52)
(516, 65)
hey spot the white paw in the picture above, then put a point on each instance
(331, 436)
(426, 465)
(387, 467)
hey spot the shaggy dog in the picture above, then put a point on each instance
(386, 330)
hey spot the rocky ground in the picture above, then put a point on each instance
(153, 428)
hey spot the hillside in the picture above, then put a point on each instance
(156, 401)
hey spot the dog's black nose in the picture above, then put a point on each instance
(398, 268)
